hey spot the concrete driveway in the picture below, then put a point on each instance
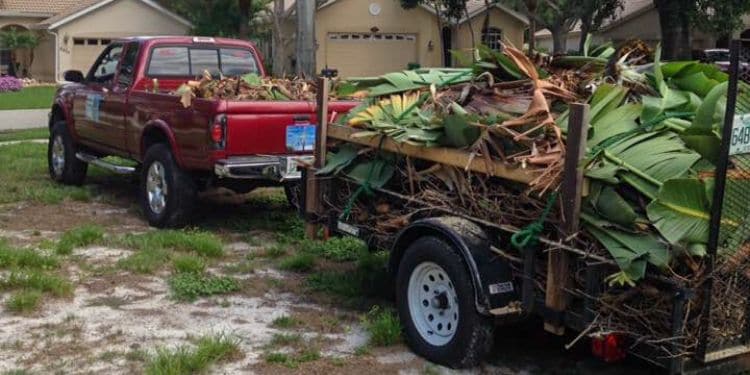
(23, 119)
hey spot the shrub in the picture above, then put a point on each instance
(190, 286)
(8, 83)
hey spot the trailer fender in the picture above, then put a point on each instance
(491, 275)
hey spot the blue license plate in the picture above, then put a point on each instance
(300, 138)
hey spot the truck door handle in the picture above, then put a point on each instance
(301, 118)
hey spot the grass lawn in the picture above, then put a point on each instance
(37, 97)
(22, 135)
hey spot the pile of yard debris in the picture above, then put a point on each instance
(652, 150)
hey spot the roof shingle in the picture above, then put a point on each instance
(37, 6)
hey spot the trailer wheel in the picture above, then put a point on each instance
(167, 192)
(435, 298)
(62, 162)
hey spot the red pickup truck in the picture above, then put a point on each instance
(124, 107)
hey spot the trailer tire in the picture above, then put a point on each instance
(167, 193)
(435, 298)
(62, 162)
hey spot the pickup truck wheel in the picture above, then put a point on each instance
(435, 298)
(293, 191)
(63, 165)
(167, 192)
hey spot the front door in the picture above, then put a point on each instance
(95, 108)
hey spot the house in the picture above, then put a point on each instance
(73, 32)
(372, 37)
(637, 19)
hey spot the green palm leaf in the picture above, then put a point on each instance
(681, 211)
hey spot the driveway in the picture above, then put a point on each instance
(23, 119)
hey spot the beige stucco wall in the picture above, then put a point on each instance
(119, 19)
(544, 43)
(354, 16)
(512, 28)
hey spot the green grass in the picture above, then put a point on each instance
(79, 237)
(186, 360)
(383, 326)
(284, 339)
(37, 97)
(23, 301)
(25, 134)
(24, 176)
(340, 249)
(188, 264)
(285, 321)
(24, 258)
(37, 280)
(145, 261)
(299, 262)
(200, 242)
(366, 280)
(190, 286)
(292, 361)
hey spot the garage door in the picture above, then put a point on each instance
(85, 52)
(364, 54)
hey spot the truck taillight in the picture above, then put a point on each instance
(219, 131)
(610, 347)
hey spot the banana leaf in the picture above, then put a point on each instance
(681, 211)
(337, 161)
(609, 204)
(618, 121)
(376, 172)
(409, 80)
(702, 136)
(458, 132)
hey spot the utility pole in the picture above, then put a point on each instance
(306, 38)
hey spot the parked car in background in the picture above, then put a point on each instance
(125, 106)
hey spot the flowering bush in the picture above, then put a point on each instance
(8, 83)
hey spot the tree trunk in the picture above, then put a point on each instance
(559, 40)
(306, 38)
(531, 9)
(585, 30)
(676, 38)
(278, 45)
(12, 64)
(244, 7)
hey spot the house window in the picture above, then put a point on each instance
(79, 41)
(492, 37)
(4, 60)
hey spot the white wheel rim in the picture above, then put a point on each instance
(58, 155)
(433, 303)
(156, 187)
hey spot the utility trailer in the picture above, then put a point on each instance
(456, 276)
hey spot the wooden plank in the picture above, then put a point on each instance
(558, 261)
(448, 156)
(313, 205)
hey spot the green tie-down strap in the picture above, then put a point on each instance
(529, 235)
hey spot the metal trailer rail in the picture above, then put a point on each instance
(719, 350)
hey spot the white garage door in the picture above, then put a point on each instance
(85, 52)
(364, 54)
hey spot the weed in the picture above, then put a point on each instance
(285, 321)
(79, 237)
(281, 359)
(284, 339)
(184, 360)
(243, 267)
(309, 355)
(108, 356)
(275, 250)
(362, 350)
(145, 261)
(299, 262)
(188, 264)
(24, 301)
(337, 283)
(383, 326)
(136, 355)
(190, 286)
(202, 243)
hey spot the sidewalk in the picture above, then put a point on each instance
(23, 119)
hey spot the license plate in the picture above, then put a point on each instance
(300, 138)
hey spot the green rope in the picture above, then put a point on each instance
(529, 236)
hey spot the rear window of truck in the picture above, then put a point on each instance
(183, 61)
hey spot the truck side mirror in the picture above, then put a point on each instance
(73, 76)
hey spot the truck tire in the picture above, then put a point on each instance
(435, 299)
(167, 192)
(62, 162)
(293, 190)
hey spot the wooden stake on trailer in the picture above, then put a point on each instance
(312, 188)
(558, 264)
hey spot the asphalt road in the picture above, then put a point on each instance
(23, 119)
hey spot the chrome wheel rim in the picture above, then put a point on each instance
(156, 187)
(58, 155)
(433, 303)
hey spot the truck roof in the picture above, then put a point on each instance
(187, 39)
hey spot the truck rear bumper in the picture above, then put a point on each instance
(261, 167)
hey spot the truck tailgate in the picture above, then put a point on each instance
(255, 128)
